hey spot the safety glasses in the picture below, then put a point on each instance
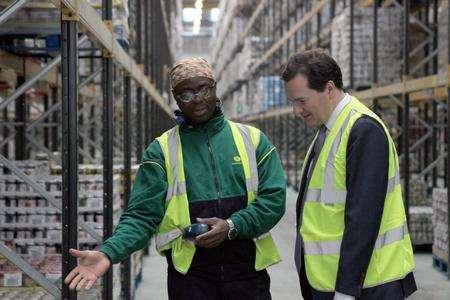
(189, 96)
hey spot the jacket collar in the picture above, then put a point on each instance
(212, 126)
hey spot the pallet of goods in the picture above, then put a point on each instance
(440, 225)
(31, 226)
(389, 45)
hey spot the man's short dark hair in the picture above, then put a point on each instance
(317, 66)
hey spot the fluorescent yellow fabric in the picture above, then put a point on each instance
(323, 225)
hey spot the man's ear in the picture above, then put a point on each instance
(330, 86)
(174, 104)
(218, 102)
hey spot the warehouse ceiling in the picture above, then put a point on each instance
(199, 16)
(198, 25)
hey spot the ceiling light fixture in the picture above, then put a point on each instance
(198, 16)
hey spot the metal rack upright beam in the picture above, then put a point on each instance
(21, 121)
(375, 52)
(126, 276)
(139, 128)
(69, 69)
(147, 52)
(405, 121)
(108, 139)
(352, 19)
(434, 153)
(448, 141)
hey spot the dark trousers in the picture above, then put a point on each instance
(191, 287)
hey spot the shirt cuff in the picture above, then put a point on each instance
(110, 253)
(340, 296)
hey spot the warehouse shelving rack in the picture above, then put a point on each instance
(137, 69)
(421, 87)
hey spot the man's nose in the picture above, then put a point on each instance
(197, 98)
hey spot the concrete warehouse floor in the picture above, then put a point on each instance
(433, 285)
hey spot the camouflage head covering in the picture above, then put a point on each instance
(188, 68)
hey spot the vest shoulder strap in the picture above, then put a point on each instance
(255, 133)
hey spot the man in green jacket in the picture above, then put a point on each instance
(204, 170)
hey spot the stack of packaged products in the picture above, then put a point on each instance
(440, 224)
(389, 45)
(31, 226)
(420, 213)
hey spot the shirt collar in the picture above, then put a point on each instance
(337, 110)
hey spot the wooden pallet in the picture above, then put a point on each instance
(440, 261)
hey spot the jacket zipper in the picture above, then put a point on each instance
(216, 182)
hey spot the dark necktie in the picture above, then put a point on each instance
(311, 162)
(316, 150)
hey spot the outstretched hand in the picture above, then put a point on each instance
(91, 266)
(217, 234)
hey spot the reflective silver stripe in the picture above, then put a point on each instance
(322, 248)
(333, 247)
(252, 183)
(176, 187)
(328, 196)
(329, 168)
(162, 239)
(393, 181)
(264, 235)
(391, 236)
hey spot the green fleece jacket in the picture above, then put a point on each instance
(215, 184)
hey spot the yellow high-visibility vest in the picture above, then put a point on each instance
(176, 216)
(322, 226)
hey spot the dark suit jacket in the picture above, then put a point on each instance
(366, 179)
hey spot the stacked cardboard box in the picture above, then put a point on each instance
(239, 65)
(389, 45)
(420, 225)
(440, 223)
(274, 94)
(31, 226)
(259, 95)
(418, 193)
(44, 20)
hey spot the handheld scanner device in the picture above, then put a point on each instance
(193, 230)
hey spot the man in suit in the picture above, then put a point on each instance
(352, 237)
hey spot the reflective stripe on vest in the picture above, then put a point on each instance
(247, 140)
(329, 194)
(334, 196)
(169, 231)
(162, 239)
(247, 155)
(251, 174)
(333, 247)
(176, 186)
